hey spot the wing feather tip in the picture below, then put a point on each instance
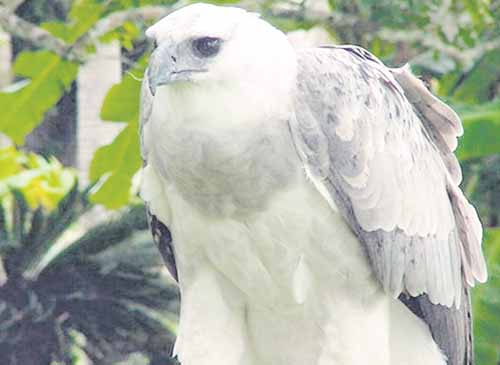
(481, 273)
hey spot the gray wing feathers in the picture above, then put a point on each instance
(470, 234)
(440, 121)
(444, 126)
(381, 151)
(450, 327)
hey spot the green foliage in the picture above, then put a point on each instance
(479, 11)
(381, 49)
(478, 85)
(417, 12)
(114, 5)
(122, 101)
(82, 16)
(126, 35)
(481, 131)
(486, 301)
(102, 294)
(116, 163)
(49, 76)
(42, 182)
(289, 24)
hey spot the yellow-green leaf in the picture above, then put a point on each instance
(481, 131)
(115, 164)
(25, 108)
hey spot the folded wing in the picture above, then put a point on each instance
(380, 147)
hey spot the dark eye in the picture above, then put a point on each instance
(206, 46)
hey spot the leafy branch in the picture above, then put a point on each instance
(465, 57)
(43, 39)
(25, 30)
(339, 21)
(65, 46)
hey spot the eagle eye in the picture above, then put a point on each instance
(206, 46)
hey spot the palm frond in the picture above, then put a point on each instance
(109, 286)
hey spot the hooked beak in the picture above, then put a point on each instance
(161, 67)
(164, 69)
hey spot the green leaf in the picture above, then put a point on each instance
(122, 101)
(477, 84)
(382, 49)
(115, 164)
(69, 208)
(105, 235)
(58, 29)
(481, 131)
(289, 24)
(10, 162)
(486, 304)
(82, 16)
(465, 35)
(24, 109)
(42, 182)
(479, 12)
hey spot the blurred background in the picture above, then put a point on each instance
(80, 280)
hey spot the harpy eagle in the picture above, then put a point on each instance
(307, 202)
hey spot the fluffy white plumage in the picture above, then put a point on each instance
(287, 286)
(270, 272)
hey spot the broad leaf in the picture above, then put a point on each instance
(481, 131)
(25, 108)
(115, 164)
(122, 101)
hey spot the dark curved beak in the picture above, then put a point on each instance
(161, 68)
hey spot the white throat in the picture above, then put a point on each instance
(225, 151)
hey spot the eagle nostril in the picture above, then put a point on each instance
(173, 58)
